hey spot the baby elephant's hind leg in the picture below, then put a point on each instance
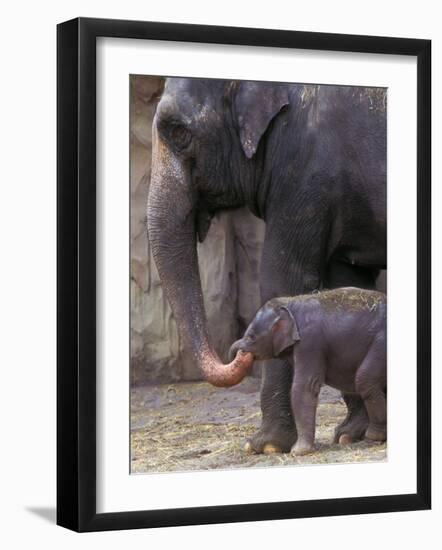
(370, 384)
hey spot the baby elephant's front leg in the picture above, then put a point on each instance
(305, 392)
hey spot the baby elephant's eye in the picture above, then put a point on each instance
(180, 136)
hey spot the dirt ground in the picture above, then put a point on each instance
(194, 426)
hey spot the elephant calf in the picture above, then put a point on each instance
(335, 337)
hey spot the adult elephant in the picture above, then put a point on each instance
(311, 162)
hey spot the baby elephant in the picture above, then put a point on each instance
(336, 337)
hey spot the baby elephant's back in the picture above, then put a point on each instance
(346, 321)
(354, 302)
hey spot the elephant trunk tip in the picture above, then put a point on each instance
(224, 376)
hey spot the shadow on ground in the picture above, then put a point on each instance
(194, 426)
(46, 513)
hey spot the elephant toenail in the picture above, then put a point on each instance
(248, 448)
(270, 449)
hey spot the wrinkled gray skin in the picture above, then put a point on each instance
(315, 331)
(311, 162)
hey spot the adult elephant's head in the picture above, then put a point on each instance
(205, 140)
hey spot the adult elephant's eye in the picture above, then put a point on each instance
(180, 136)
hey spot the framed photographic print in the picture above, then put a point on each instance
(234, 208)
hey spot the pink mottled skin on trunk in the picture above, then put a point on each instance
(223, 376)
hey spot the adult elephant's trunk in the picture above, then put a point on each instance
(171, 226)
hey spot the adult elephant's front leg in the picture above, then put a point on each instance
(277, 432)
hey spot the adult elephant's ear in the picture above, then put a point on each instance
(256, 104)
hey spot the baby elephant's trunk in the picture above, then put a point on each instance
(234, 348)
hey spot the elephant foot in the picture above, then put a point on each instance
(268, 449)
(351, 430)
(269, 441)
(301, 448)
(354, 426)
(345, 439)
(375, 433)
(344, 435)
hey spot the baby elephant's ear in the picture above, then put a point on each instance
(285, 331)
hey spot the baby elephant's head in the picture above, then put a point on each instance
(271, 333)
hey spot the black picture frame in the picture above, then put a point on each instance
(76, 274)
